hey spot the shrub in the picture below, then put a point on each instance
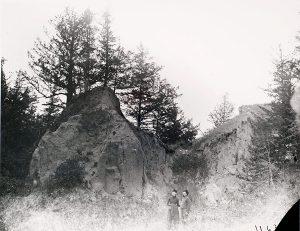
(68, 175)
(13, 186)
(191, 164)
(8, 186)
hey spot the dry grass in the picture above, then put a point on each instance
(84, 210)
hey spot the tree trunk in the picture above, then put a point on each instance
(70, 87)
(86, 81)
(70, 76)
(106, 66)
(115, 84)
(139, 117)
(69, 97)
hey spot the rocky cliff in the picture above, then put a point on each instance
(227, 146)
(226, 149)
(113, 155)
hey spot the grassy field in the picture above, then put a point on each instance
(84, 210)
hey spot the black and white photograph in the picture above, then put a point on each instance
(150, 115)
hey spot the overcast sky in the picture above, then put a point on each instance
(207, 47)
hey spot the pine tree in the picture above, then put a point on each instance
(51, 113)
(4, 91)
(4, 87)
(287, 139)
(222, 112)
(169, 123)
(139, 99)
(176, 129)
(58, 63)
(189, 131)
(19, 129)
(88, 59)
(151, 102)
(164, 103)
(261, 167)
(107, 52)
(122, 66)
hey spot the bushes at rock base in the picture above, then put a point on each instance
(67, 176)
(14, 186)
(191, 163)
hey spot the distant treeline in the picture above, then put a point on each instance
(75, 55)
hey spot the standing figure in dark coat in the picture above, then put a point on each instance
(173, 216)
(185, 206)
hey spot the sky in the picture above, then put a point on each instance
(207, 47)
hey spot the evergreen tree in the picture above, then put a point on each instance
(176, 129)
(113, 61)
(50, 113)
(88, 60)
(164, 103)
(189, 131)
(4, 87)
(19, 129)
(151, 102)
(287, 139)
(140, 98)
(261, 167)
(58, 63)
(222, 112)
(107, 52)
(275, 136)
(122, 75)
(4, 91)
(169, 123)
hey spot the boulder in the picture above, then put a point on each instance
(112, 154)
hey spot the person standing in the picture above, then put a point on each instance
(173, 213)
(185, 206)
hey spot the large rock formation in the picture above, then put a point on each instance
(115, 156)
(227, 146)
(226, 149)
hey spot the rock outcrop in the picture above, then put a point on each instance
(226, 149)
(227, 146)
(115, 156)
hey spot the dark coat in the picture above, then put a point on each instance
(186, 204)
(173, 202)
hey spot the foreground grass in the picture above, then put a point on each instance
(85, 210)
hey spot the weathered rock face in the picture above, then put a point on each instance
(115, 156)
(226, 149)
